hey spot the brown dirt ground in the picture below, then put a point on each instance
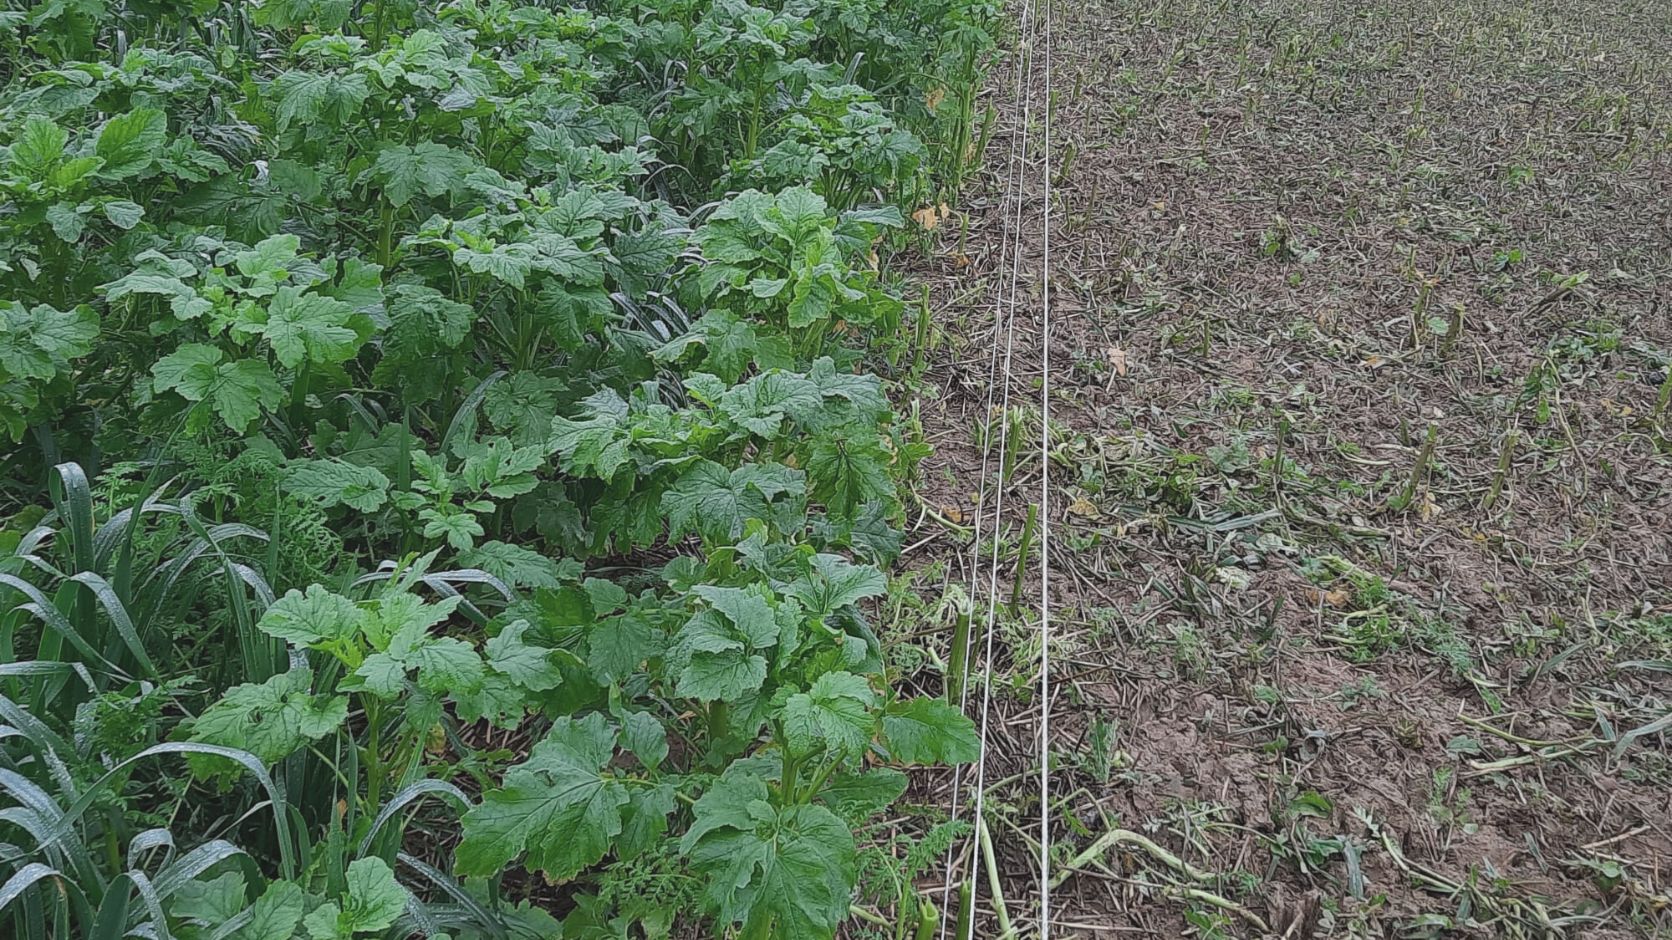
(1360, 707)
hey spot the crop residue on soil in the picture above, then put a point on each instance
(1362, 464)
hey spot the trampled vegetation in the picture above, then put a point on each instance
(446, 454)
(1360, 459)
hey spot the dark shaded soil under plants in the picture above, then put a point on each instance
(1361, 469)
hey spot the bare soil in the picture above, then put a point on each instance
(1360, 468)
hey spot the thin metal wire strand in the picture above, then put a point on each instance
(1024, 78)
(1001, 323)
(1045, 520)
(1004, 320)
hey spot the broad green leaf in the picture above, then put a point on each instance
(123, 214)
(38, 147)
(508, 263)
(644, 820)
(210, 902)
(522, 405)
(572, 312)
(558, 806)
(863, 392)
(423, 326)
(643, 734)
(715, 654)
(317, 618)
(129, 143)
(427, 167)
(268, 263)
(595, 445)
(371, 902)
(834, 713)
(237, 390)
(643, 255)
(374, 899)
(427, 313)
(714, 676)
(856, 797)
(381, 674)
(269, 719)
(444, 665)
(606, 596)
(800, 210)
(849, 472)
(618, 645)
(67, 222)
(929, 731)
(791, 867)
(730, 343)
(335, 481)
(529, 666)
(499, 468)
(276, 914)
(559, 256)
(459, 528)
(39, 343)
(716, 502)
(513, 564)
(812, 301)
(309, 327)
(357, 283)
(183, 299)
(307, 97)
(393, 614)
(747, 610)
(497, 700)
(833, 583)
(764, 402)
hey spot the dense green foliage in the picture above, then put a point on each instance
(443, 444)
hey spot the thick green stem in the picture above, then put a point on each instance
(928, 916)
(957, 670)
(1000, 909)
(378, 25)
(371, 758)
(386, 234)
(1409, 493)
(719, 718)
(966, 910)
(1022, 553)
(1506, 456)
(755, 121)
(920, 341)
(786, 782)
(817, 782)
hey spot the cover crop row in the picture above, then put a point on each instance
(443, 448)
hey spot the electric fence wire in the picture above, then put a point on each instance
(1045, 512)
(1000, 323)
(1011, 211)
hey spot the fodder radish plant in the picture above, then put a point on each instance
(443, 477)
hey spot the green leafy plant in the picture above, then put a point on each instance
(405, 405)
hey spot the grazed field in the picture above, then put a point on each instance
(1361, 468)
